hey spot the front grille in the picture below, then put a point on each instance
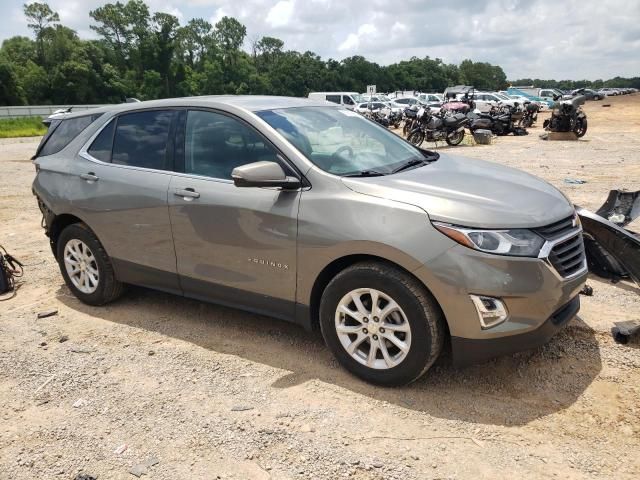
(556, 229)
(568, 257)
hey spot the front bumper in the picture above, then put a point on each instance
(467, 351)
(531, 289)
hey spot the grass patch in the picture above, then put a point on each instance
(22, 127)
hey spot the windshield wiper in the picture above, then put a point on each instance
(365, 173)
(409, 164)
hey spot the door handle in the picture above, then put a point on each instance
(186, 193)
(89, 177)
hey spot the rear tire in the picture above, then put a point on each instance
(417, 324)
(455, 139)
(86, 267)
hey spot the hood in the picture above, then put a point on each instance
(471, 193)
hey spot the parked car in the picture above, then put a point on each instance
(370, 107)
(408, 101)
(348, 99)
(485, 101)
(430, 98)
(374, 98)
(309, 212)
(587, 93)
(522, 100)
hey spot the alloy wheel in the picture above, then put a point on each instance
(81, 266)
(373, 328)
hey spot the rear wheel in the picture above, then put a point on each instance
(86, 267)
(455, 138)
(381, 324)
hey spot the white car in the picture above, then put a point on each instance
(372, 107)
(374, 98)
(408, 101)
(430, 97)
(395, 107)
(485, 101)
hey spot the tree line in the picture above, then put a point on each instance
(149, 55)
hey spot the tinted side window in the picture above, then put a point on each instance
(66, 131)
(347, 100)
(141, 139)
(101, 146)
(333, 98)
(216, 144)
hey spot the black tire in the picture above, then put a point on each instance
(422, 312)
(455, 139)
(581, 128)
(416, 138)
(526, 122)
(108, 288)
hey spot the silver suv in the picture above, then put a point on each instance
(308, 212)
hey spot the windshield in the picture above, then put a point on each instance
(501, 96)
(342, 142)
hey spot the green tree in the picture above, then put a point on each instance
(229, 34)
(11, 92)
(39, 18)
(194, 39)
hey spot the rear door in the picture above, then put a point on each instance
(234, 246)
(121, 184)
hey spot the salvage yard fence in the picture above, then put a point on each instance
(40, 110)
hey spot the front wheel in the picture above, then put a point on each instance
(416, 138)
(581, 127)
(455, 138)
(381, 323)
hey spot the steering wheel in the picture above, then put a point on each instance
(345, 148)
(338, 161)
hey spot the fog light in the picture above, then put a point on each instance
(491, 311)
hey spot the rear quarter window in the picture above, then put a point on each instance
(64, 132)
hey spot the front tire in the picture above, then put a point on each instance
(416, 138)
(381, 324)
(86, 267)
(581, 128)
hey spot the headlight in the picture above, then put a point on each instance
(518, 242)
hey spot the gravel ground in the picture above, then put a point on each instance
(172, 388)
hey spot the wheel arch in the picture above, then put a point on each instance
(57, 225)
(339, 264)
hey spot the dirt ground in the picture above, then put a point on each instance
(181, 389)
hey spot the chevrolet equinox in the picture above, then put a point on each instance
(306, 211)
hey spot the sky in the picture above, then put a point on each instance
(570, 39)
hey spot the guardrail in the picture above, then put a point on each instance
(39, 110)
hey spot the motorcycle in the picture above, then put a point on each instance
(568, 116)
(410, 119)
(500, 120)
(433, 128)
(530, 115)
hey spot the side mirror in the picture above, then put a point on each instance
(263, 174)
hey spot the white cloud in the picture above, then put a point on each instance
(353, 41)
(217, 16)
(528, 38)
(280, 14)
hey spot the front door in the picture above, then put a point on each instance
(235, 246)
